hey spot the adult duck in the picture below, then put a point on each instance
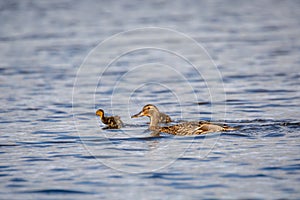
(185, 128)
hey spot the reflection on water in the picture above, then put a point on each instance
(244, 74)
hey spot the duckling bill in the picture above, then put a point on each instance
(186, 128)
(113, 122)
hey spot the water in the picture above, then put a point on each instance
(54, 75)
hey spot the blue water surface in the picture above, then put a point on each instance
(232, 62)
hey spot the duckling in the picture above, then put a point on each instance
(111, 122)
(185, 128)
(161, 117)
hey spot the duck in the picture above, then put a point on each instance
(112, 122)
(181, 129)
(161, 117)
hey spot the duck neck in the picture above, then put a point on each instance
(104, 119)
(154, 121)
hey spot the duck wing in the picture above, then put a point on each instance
(193, 128)
(187, 128)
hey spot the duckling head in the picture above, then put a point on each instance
(100, 113)
(148, 110)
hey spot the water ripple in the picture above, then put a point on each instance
(56, 191)
(46, 152)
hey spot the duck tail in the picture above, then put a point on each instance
(228, 128)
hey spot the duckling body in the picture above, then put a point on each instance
(186, 128)
(161, 117)
(111, 122)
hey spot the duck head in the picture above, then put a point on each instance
(148, 110)
(100, 113)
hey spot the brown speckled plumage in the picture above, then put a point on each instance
(192, 128)
(111, 122)
(185, 128)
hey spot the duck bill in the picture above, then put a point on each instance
(140, 114)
